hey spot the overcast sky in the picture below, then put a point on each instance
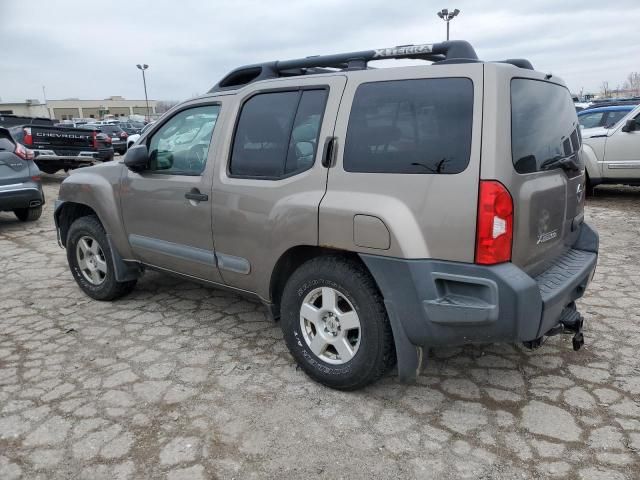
(89, 50)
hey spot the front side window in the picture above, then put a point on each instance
(615, 117)
(277, 134)
(181, 146)
(544, 125)
(410, 126)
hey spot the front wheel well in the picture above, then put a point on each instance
(291, 260)
(69, 213)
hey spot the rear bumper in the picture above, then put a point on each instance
(81, 157)
(120, 146)
(22, 195)
(439, 303)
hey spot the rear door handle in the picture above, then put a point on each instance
(196, 196)
(328, 155)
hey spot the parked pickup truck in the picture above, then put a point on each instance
(63, 148)
(612, 155)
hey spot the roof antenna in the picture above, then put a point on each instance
(548, 76)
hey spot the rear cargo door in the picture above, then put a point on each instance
(13, 170)
(545, 175)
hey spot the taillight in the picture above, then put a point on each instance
(495, 223)
(94, 136)
(124, 135)
(27, 137)
(24, 153)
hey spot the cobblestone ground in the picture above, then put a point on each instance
(179, 381)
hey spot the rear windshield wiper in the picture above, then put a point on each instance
(566, 163)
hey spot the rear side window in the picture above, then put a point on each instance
(590, 120)
(410, 126)
(277, 134)
(544, 125)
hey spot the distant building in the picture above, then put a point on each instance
(70, 108)
(28, 108)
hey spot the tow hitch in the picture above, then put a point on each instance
(570, 322)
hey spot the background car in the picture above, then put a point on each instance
(612, 153)
(605, 117)
(132, 128)
(134, 138)
(116, 133)
(20, 185)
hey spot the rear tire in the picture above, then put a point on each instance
(49, 170)
(30, 214)
(310, 329)
(91, 260)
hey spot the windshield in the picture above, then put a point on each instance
(544, 125)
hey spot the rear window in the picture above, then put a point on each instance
(544, 124)
(410, 126)
(109, 128)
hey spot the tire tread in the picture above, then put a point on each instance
(354, 272)
(28, 214)
(117, 289)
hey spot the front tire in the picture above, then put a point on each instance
(335, 323)
(91, 260)
(30, 214)
(589, 189)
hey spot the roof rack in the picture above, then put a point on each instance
(454, 51)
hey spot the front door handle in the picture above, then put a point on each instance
(196, 196)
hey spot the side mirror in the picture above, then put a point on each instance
(629, 126)
(137, 158)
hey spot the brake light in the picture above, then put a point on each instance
(94, 140)
(27, 137)
(23, 152)
(494, 232)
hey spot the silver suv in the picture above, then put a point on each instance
(376, 212)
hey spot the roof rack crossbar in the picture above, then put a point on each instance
(455, 49)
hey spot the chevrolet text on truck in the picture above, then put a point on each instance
(59, 147)
(375, 212)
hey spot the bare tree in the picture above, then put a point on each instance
(604, 89)
(164, 105)
(633, 83)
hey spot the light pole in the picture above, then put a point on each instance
(143, 67)
(447, 16)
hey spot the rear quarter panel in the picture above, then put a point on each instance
(427, 215)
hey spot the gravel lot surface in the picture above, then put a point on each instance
(179, 381)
